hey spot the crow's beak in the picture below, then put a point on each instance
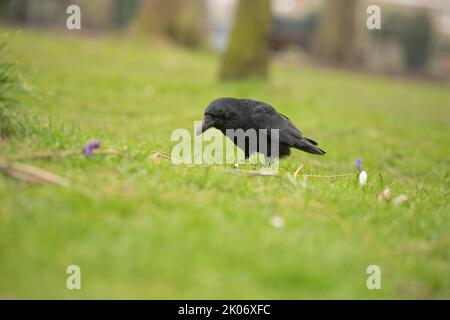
(207, 123)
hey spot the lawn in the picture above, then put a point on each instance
(140, 227)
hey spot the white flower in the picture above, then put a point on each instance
(277, 222)
(362, 178)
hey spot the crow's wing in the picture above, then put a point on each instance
(264, 116)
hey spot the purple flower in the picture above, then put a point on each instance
(90, 147)
(358, 164)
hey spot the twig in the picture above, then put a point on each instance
(160, 155)
(273, 174)
(299, 169)
(32, 174)
(329, 177)
(252, 172)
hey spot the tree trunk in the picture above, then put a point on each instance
(337, 34)
(19, 11)
(247, 54)
(124, 11)
(183, 21)
(190, 27)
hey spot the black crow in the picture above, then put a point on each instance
(245, 114)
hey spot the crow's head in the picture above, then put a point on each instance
(220, 114)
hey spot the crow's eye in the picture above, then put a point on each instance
(215, 115)
(219, 115)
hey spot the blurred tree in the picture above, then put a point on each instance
(247, 54)
(413, 30)
(190, 27)
(95, 15)
(4, 10)
(124, 11)
(337, 34)
(15, 11)
(181, 20)
(45, 12)
(416, 40)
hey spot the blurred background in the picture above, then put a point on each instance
(414, 38)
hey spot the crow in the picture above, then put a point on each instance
(246, 114)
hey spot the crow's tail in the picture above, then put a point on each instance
(309, 146)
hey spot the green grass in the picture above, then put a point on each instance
(142, 228)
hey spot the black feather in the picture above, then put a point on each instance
(245, 114)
